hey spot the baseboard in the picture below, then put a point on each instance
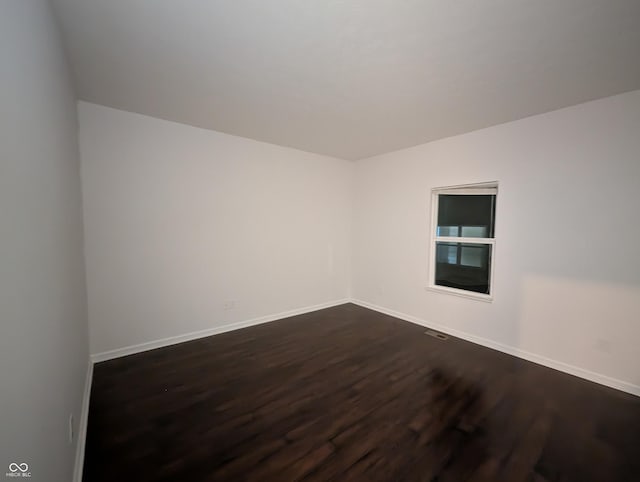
(510, 350)
(83, 421)
(130, 350)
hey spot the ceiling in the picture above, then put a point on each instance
(350, 78)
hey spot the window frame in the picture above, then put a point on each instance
(483, 188)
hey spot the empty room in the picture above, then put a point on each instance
(339, 240)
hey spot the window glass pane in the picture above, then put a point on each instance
(463, 266)
(447, 253)
(475, 232)
(448, 231)
(475, 255)
(472, 214)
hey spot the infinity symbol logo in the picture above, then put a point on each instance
(13, 467)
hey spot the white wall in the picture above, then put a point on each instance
(43, 324)
(567, 273)
(181, 221)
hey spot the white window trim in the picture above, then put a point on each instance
(480, 188)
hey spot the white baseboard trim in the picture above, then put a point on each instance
(510, 350)
(83, 421)
(130, 350)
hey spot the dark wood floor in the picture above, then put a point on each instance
(350, 394)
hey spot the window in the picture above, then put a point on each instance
(463, 239)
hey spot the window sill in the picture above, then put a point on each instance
(461, 293)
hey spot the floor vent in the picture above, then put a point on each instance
(435, 334)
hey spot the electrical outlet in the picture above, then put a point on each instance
(71, 433)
